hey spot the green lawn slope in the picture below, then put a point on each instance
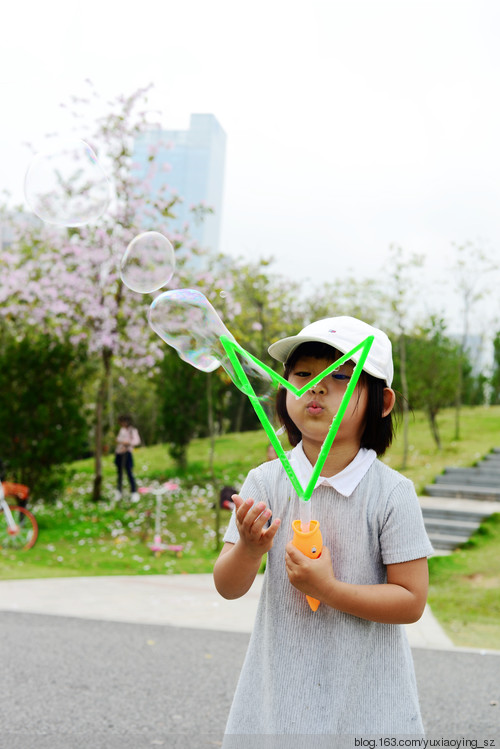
(78, 537)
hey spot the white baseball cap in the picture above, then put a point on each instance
(343, 334)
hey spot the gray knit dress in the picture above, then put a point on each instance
(325, 672)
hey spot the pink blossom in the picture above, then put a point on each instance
(69, 283)
(171, 486)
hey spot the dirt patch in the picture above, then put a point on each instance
(483, 581)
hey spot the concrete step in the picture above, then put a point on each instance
(454, 506)
(442, 516)
(459, 500)
(460, 528)
(461, 491)
(442, 543)
(480, 469)
(450, 522)
(472, 478)
(492, 458)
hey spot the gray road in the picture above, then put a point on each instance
(71, 683)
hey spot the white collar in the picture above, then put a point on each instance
(344, 482)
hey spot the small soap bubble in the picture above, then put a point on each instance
(148, 262)
(185, 319)
(66, 185)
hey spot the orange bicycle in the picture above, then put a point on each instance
(20, 529)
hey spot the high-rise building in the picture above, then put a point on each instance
(194, 169)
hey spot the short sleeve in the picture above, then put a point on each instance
(403, 536)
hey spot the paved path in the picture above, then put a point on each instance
(142, 662)
(178, 600)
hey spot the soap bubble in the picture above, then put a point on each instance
(185, 319)
(148, 262)
(66, 185)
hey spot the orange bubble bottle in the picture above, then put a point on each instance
(309, 543)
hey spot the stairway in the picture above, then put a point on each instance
(459, 500)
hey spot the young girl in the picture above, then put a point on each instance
(347, 667)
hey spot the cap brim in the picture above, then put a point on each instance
(281, 350)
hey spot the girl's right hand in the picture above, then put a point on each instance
(251, 520)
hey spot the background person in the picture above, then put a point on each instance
(127, 438)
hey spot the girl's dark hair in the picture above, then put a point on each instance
(379, 430)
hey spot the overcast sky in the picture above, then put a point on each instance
(350, 125)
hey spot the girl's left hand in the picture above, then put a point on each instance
(314, 577)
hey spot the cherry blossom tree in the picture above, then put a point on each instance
(66, 280)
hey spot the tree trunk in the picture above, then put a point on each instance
(459, 396)
(434, 428)
(460, 383)
(178, 453)
(99, 423)
(240, 411)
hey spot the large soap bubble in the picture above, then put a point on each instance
(185, 319)
(66, 185)
(148, 262)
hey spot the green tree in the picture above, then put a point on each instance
(432, 370)
(495, 378)
(41, 409)
(135, 393)
(400, 301)
(182, 391)
(473, 271)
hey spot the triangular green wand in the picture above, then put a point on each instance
(233, 348)
(306, 532)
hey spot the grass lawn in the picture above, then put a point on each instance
(78, 537)
(464, 589)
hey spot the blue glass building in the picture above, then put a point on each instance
(196, 158)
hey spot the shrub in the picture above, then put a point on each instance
(41, 409)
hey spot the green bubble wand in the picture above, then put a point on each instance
(233, 349)
(306, 532)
